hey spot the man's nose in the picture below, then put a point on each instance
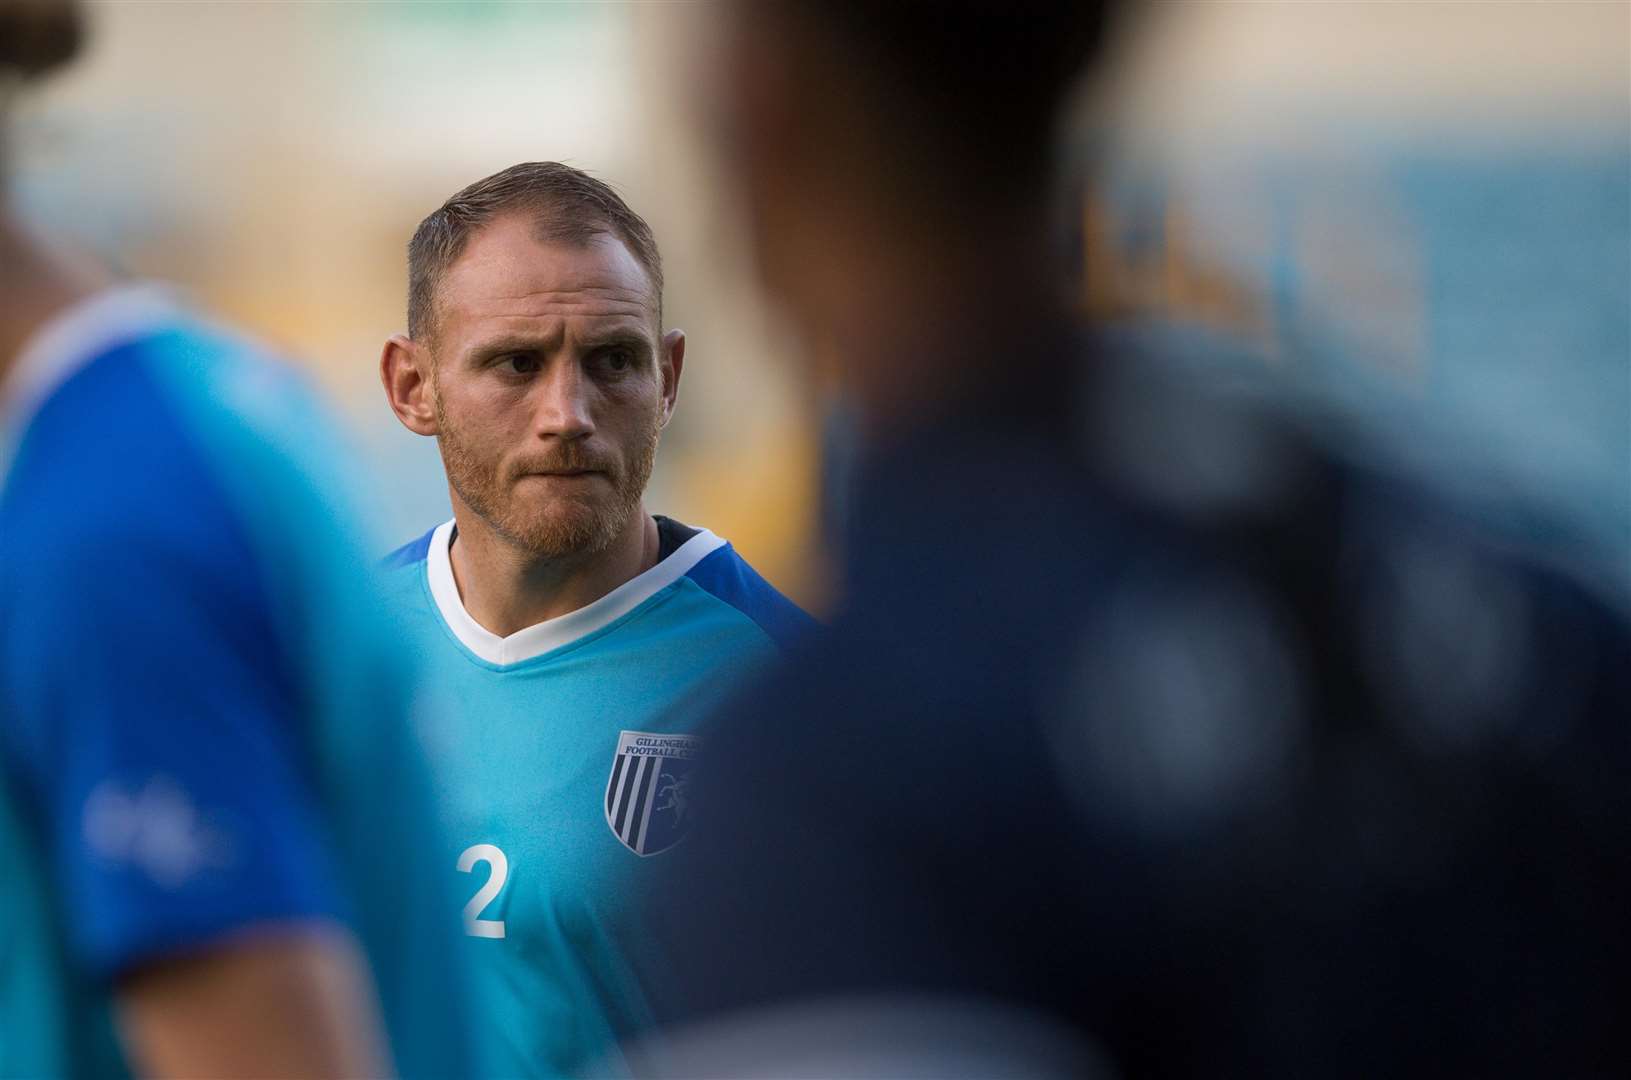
(563, 402)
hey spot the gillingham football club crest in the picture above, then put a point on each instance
(648, 804)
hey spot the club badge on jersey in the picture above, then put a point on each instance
(647, 798)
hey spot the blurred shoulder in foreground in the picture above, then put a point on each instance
(1235, 755)
(208, 748)
(214, 818)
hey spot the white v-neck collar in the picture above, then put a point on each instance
(562, 630)
(72, 338)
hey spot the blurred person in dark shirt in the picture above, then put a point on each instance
(1154, 709)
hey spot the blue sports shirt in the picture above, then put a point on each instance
(566, 768)
(203, 726)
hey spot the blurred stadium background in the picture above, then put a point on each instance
(1431, 200)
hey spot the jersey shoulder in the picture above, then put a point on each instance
(727, 577)
(107, 446)
(113, 504)
(180, 416)
(412, 554)
(404, 574)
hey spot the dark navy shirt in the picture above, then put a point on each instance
(1151, 712)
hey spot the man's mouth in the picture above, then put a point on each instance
(562, 474)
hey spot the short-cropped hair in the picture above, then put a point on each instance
(568, 206)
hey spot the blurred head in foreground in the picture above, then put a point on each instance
(37, 36)
(908, 200)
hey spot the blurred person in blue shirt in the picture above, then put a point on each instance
(1157, 708)
(215, 829)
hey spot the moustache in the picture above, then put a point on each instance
(566, 460)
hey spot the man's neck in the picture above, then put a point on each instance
(505, 589)
(36, 283)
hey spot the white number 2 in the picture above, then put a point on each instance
(487, 853)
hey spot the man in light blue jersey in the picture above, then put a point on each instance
(581, 637)
(214, 823)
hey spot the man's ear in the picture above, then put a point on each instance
(671, 364)
(404, 370)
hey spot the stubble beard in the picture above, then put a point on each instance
(561, 526)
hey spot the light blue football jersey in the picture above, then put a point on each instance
(566, 765)
(204, 727)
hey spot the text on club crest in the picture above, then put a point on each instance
(648, 796)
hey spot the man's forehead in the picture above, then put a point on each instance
(506, 270)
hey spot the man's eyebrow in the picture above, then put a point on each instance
(503, 343)
(631, 334)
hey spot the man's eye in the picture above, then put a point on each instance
(519, 363)
(617, 359)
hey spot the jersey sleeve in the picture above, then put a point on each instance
(726, 576)
(152, 719)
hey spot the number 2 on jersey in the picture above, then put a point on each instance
(474, 925)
